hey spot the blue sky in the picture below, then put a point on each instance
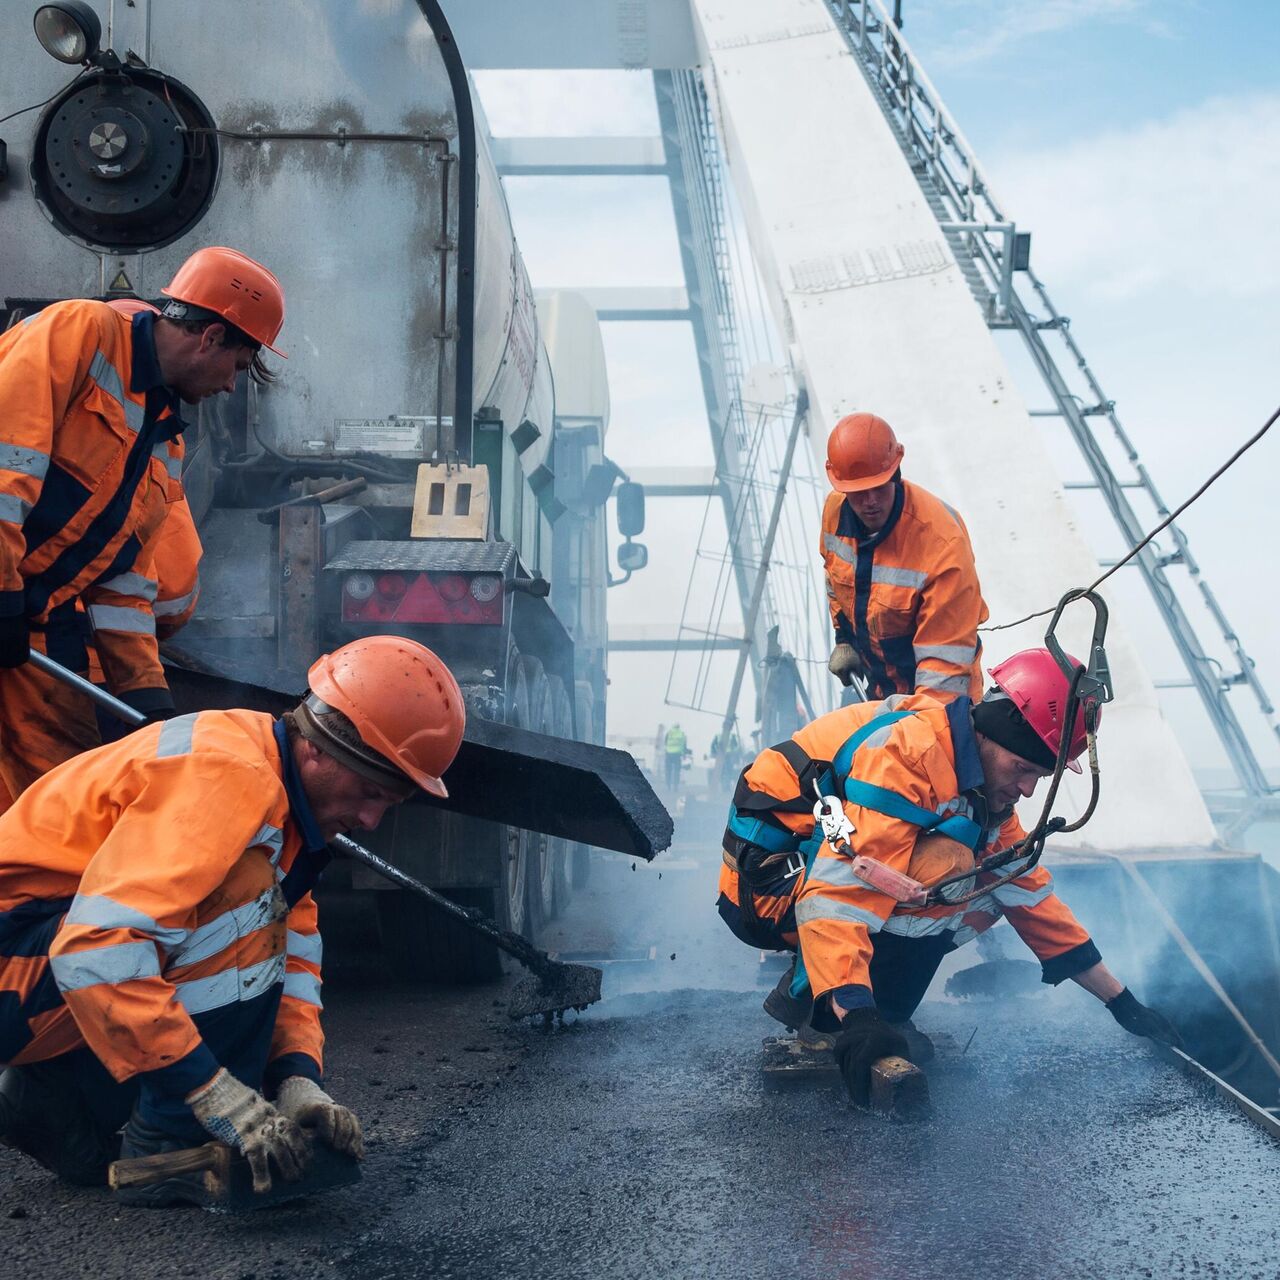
(1138, 141)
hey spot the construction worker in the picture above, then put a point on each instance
(674, 746)
(90, 468)
(159, 949)
(927, 787)
(901, 583)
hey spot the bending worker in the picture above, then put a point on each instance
(927, 787)
(90, 463)
(159, 949)
(901, 583)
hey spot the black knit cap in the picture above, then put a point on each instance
(997, 718)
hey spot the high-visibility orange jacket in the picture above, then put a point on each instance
(177, 865)
(927, 757)
(90, 464)
(906, 597)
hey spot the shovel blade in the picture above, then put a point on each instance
(568, 986)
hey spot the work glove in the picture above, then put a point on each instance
(845, 663)
(1138, 1020)
(864, 1037)
(15, 641)
(307, 1105)
(242, 1118)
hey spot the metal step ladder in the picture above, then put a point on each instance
(993, 258)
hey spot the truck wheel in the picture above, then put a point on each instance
(559, 849)
(542, 885)
(588, 731)
(512, 897)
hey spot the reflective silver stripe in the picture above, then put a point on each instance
(13, 510)
(835, 871)
(961, 654)
(115, 617)
(103, 372)
(179, 604)
(100, 912)
(889, 576)
(818, 907)
(223, 930)
(124, 962)
(171, 464)
(131, 584)
(945, 684)
(877, 739)
(920, 926)
(304, 987)
(839, 547)
(272, 837)
(1013, 895)
(27, 462)
(175, 736)
(231, 986)
(306, 946)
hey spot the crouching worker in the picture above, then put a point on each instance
(927, 788)
(159, 949)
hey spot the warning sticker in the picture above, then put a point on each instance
(399, 435)
(121, 283)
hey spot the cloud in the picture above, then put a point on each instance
(1188, 201)
(978, 33)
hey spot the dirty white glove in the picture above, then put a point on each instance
(845, 663)
(307, 1105)
(242, 1118)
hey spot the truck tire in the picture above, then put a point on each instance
(511, 900)
(588, 731)
(560, 850)
(541, 868)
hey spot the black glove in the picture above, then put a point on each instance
(865, 1036)
(15, 641)
(1138, 1020)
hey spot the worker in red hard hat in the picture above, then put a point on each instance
(928, 789)
(90, 465)
(159, 944)
(902, 587)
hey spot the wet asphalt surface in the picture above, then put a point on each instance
(642, 1140)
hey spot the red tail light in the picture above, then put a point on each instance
(423, 597)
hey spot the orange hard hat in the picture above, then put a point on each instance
(862, 453)
(231, 285)
(402, 700)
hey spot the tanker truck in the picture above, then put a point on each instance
(452, 423)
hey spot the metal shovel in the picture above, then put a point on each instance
(554, 987)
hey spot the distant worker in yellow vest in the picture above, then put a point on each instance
(901, 582)
(675, 747)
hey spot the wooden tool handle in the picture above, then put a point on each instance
(145, 1171)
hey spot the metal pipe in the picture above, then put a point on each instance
(108, 702)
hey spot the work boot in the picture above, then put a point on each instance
(792, 1011)
(919, 1047)
(45, 1115)
(143, 1139)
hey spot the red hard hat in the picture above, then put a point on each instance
(862, 453)
(402, 700)
(1038, 687)
(231, 285)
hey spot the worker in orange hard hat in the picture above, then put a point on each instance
(901, 582)
(159, 944)
(920, 792)
(90, 465)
